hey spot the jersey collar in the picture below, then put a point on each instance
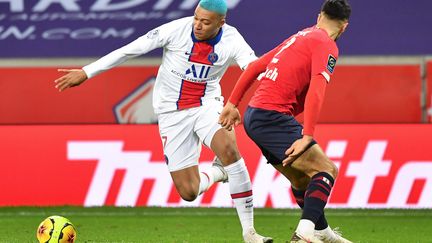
(212, 41)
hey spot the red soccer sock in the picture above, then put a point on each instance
(299, 197)
(316, 196)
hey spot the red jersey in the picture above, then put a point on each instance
(290, 66)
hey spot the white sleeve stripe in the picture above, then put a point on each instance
(326, 76)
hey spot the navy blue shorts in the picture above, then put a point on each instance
(273, 132)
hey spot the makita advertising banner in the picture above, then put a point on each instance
(71, 28)
(123, 165)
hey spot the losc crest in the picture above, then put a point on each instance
(137, 106)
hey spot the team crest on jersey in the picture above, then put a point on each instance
(213, 57)
(331, 63)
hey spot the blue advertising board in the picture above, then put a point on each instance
(91, 28)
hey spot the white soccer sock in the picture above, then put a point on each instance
(241, 192)
(205, 182)
(305, 228)
(208, 178)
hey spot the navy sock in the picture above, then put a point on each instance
(299, 197)
(316, 196)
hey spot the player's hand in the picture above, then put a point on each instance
(72, 78)
(296, 149)
(229, 116)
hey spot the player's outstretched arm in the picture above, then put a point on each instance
(72, 78)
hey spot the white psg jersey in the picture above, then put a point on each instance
(191, 70)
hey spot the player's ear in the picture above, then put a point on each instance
(222, 21)
(344, 26)
(319, 18)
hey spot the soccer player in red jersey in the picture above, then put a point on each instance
(293, 78)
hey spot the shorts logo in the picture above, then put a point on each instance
(213, 57)
(331, 63)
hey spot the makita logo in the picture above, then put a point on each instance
(137, 168)
(111, 157)
(271, 189)
(17, 6)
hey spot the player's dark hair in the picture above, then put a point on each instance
(337, 9)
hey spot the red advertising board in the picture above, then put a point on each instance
(28, 95)
(356, 94)
(123, 165)
(374, 94)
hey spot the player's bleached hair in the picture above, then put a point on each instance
(337, 9)
(217, 6)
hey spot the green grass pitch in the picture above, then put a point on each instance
(126, 225)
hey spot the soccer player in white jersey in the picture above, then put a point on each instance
(187, 99)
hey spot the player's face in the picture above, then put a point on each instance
(206, 24)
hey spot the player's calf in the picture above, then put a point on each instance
(187, 182)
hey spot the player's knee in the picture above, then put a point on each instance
(334, 171)
(188, 195)
(187, 191)
(322, 165)
(331, 169)
(229, 153)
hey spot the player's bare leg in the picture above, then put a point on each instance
(190, 182)
(313, 161)
(224, 145)
(299, 182)
(315, 166)
(187, 182)
(322, 171)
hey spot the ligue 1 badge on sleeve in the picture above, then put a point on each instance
(213, 57)
(331, 63)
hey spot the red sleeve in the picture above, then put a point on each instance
(313, 103)
(251, 73)
(324, 59)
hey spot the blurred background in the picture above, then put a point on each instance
(102, 137)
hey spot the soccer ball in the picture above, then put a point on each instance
(56, 229)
